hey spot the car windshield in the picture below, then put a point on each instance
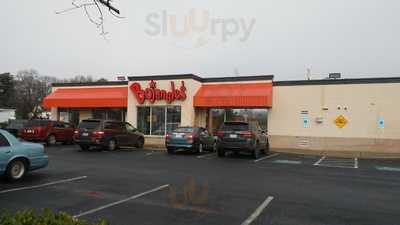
(234, 126)
(89, 124)
(37, 123)
(184, 129)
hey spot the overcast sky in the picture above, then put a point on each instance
(359, 38)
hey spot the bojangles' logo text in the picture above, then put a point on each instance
(152, 93)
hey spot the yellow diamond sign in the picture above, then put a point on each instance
(341, 121)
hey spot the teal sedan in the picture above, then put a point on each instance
(17, 158)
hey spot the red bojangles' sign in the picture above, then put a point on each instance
(152, 93)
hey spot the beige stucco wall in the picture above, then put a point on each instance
(188, 111)
(365, 103)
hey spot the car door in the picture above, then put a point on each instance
(113, 130)
(132, 134)
(5, 152)
(58, 131)
(68, 131)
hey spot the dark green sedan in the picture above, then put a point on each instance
(195, 139)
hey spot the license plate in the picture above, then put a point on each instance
(233, 136)
(85, 134)
(178, 135)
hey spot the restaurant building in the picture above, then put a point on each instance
(347, 115)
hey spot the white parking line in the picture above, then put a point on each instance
(266, 157)
(43, 185)
(121, 201)
(206, 155)
(319, 161)
(258, 211)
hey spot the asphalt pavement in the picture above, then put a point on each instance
(148, 187)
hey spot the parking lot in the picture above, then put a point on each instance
(151, 187)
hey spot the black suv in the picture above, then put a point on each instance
(242, 136)
(107, 134)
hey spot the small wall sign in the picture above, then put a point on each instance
(341, 121)
(306, 122)
(153, 94)
(381, 122)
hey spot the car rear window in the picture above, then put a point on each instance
(16, 124)
(37, 123)
(234, 126)
(184, 129)
(89, 124)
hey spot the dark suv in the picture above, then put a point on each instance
(107, 134)
(47, 131)
(242, 136)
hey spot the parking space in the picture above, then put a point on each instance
(131, 186)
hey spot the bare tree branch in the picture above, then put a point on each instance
(99, 23)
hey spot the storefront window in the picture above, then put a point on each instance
(99, 114)
(217, 118)
(109, 114)
(143, 120)
(156, 120)
(173, 117)
(259, 116)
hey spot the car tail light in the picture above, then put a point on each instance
(98, 134)
(168, 136)
(76, 132)
(246, 133)
(220, 133)
(189, 136)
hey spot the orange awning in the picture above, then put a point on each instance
(250, 95)
(107, 97)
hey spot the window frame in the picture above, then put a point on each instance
(8, 144)
(165, 107)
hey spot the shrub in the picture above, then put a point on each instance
(47, 217)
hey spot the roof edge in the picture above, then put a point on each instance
(108, 83)
(374, 80)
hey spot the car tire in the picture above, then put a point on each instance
(256, 153)
(214, 147)
(199, 148)
(266, 151)
(84, 147)
(170, 150)
(221, 152)
(51, 140)
(111, 145)
(17, 169)
(140, 143)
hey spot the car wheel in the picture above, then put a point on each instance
(112, 145)
(214, 147)
(171, 150)
(51, 140)
(17, 170)
(221, 152)
(266, 151)
(256, 152)
(84, 147)
(140, 143)
(200, 148)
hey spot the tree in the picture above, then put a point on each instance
(7, 91)
(30, 89)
